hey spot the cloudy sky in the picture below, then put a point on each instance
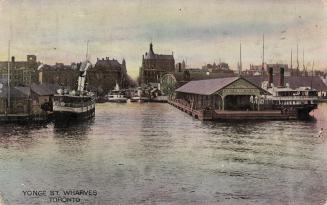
(197, 31)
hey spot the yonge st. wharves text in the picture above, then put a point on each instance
(64, 196)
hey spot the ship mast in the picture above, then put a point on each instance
(87, 50)
(240, 65)
(82, 72)
(297, 59)
(8, 81)
(313, 63)
(304, 68)
(263, 52)
(291, 60)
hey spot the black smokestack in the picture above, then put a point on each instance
(281, 77)
(179, 67)
(270, 77)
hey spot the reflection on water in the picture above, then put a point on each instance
(155, 154)
(73, 129)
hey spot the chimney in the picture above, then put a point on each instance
(270, 77)
(179, 67)
(281, 77)
(13, 59)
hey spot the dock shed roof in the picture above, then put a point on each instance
(44, 89)
(210, 86)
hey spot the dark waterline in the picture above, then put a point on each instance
(156, 154)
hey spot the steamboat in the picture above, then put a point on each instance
(298, 101)
(75, 105)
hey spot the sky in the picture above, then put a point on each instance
(198, 32)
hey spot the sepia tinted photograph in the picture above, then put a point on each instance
(163, 102)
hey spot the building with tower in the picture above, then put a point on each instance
(154, 66)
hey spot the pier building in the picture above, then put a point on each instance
(32, 102)
(232, 93)
(238, 98)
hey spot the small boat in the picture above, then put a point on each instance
(117, 95)
(138, 97)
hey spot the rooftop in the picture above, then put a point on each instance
(44, 89)
(206, 87)
(152, 55)
(210, 86)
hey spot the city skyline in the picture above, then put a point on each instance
(58, 31)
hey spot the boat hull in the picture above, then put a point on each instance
(142, 99)
(64, 116)
(303, 113)
(118, 100)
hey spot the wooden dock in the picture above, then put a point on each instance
(233, 115)
(24, 118)
(253, 115)
(197, 114)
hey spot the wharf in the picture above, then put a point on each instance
(225, 115)
(197, 114)
(253, 115)
(17, 118)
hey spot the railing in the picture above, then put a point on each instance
(292, 98)
(73, 105)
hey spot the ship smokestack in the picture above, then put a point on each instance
(270, 77)
(281, 77)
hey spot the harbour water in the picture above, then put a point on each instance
(156, 154)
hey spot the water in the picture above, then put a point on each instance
(156, 154)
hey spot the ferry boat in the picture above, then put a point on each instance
(75, 105)
(299, 101)
(117, 95)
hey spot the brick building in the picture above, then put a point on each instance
(154, 66)
(21, 72)
(60, 74)
(102, 77)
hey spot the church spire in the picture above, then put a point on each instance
(151, 49)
